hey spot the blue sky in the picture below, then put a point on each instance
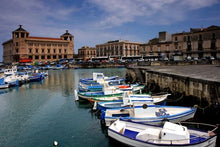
(98, 21)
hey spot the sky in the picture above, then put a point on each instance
(95, 22)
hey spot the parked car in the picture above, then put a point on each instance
(203, 58)
(212, 58)
(195, 59)
(189, 58)
(166, 59)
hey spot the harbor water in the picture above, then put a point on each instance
(37, 114)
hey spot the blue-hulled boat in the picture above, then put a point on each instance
(129, 99)
(3, 85)
(149, 114)
(35, 77)
(109, 93)
(138, 134)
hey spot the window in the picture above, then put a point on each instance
(60, 57)
(22, 35)
(184, 38)
(213, 36)
(16, 50)
(48, 44)
(176, 39)
(54, 56)
(59, 50)
(42, 50)
(158, 48)
(188, 38)
(30, 57)
(200, 37)
(176, 47)
(167, 48)
(64, 50)
(36, 50)
(36, 57)
(42, 57)
(48, 57)
(16, 44)
(65, 56)
(48, 50)
(30, 50)
(16, 35)
(54, 50)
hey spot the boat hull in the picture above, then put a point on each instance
(146, 119)
(142, 135)
(100, 96)
(131, 142)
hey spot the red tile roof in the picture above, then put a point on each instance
(44, 38)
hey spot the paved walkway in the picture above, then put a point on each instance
(204, 72)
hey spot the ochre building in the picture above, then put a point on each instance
(25, 48)
(118, 48)
(158, 47)
(86, 53)
(197, 43)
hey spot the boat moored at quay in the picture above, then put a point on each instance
(170, 134)
(12, 77)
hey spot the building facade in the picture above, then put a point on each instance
(86, 53)
(158, 47)
(118, 49)
(25, 48)
(199, 42)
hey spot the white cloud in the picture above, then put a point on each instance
(118, 12)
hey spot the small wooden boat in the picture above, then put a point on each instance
(149, 114)
(137, 134)
(35, 77)
(129, 99)
(109, 93)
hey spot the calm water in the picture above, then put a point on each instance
(36, 114)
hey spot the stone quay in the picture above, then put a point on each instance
(201, 81)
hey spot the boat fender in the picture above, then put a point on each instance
(144, 106)
(195, 106)
(95, 106)
(102, 117)
(102, 122)
(76, 95)
(122, 110)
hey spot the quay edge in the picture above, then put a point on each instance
(201, 81)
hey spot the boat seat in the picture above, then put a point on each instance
(149, 133)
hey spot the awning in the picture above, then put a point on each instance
(24, 60)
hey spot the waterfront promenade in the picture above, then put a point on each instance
(204, 72)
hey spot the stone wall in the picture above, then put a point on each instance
(200, 88)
